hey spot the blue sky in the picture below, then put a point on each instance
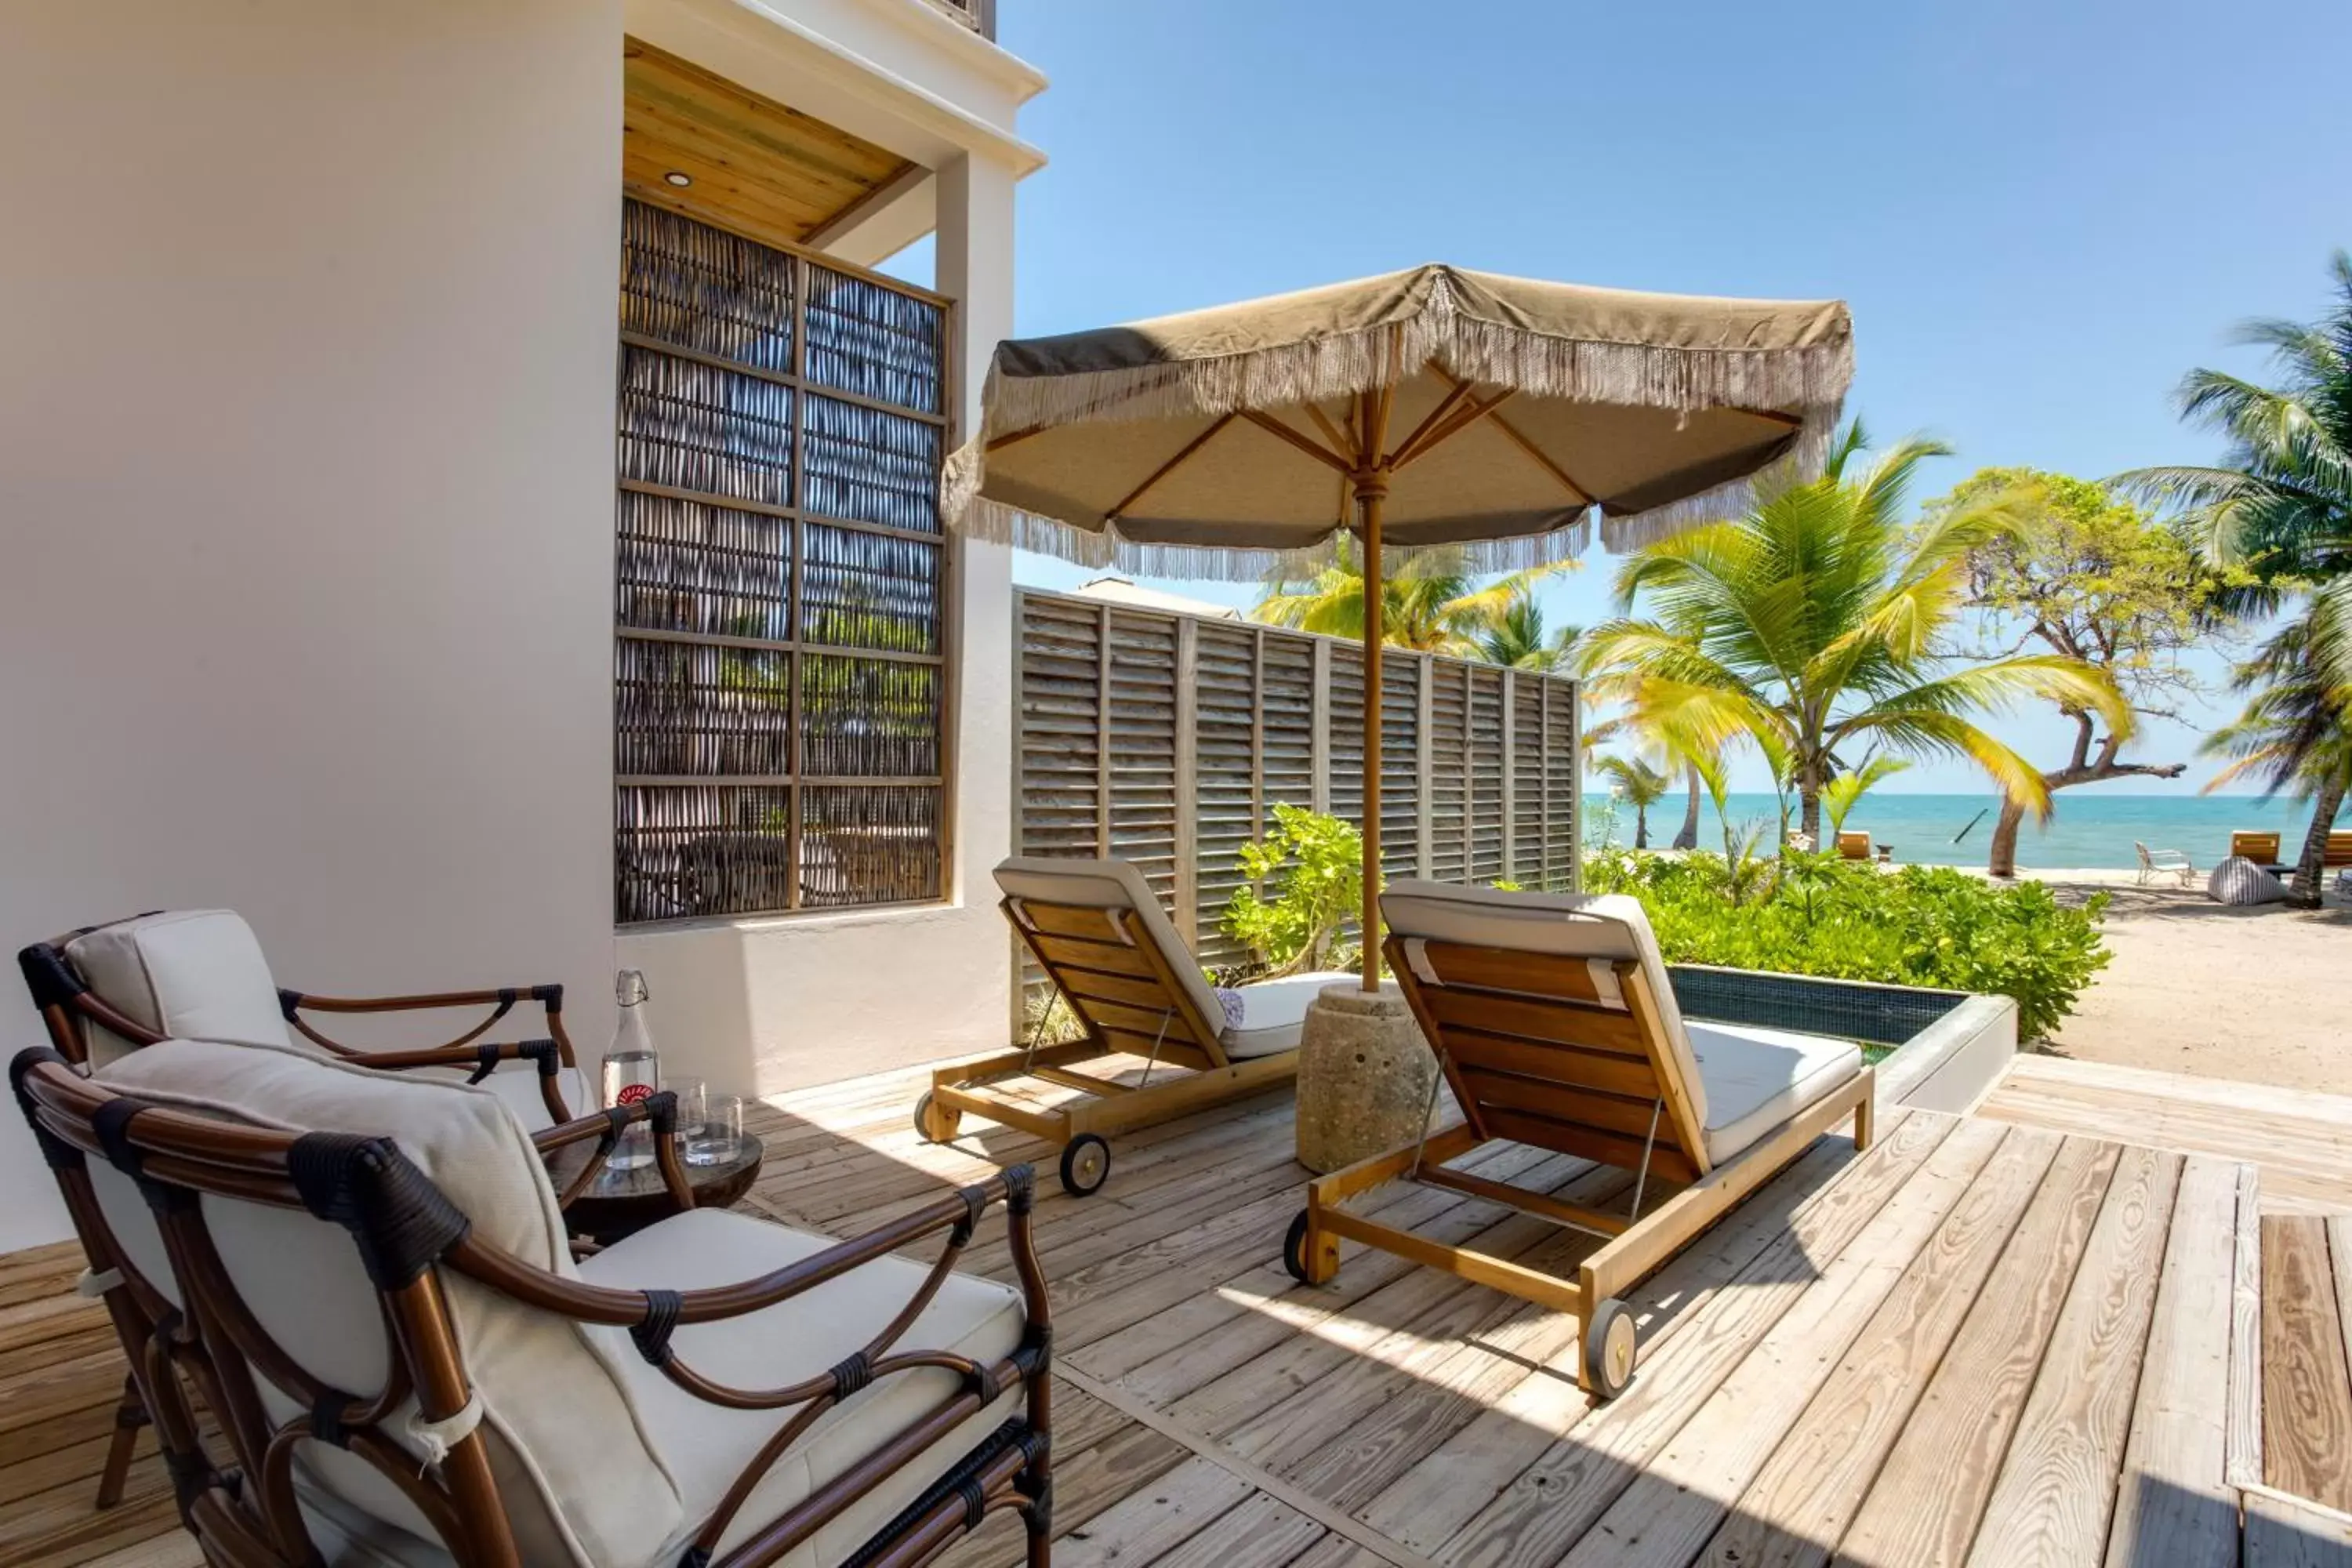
(2041, 211)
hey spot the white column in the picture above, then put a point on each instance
(975, 269)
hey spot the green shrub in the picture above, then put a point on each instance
(1922, 925)
(1313, 865)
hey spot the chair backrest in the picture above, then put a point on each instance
(1098, 928)
(2261, 847)
(2338, 849)
(180, 974)
(2146, 862)
(295, 1208)
(1854, 845)
(1554, 1019)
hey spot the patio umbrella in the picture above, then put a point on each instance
(1430, 407)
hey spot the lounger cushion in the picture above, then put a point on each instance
(1606, 927)
(707, 1447)
(1111, 885)
(1275, 1011)
(187, 973)
(1758, 1078)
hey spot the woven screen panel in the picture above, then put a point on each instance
(874, 341)
(1561, 767)
(706, 289)
(780, 679)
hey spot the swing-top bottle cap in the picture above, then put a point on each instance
(629, 987)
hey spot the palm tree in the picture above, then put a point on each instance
(1515, 636)
(2278, 507)
(1431, 602)
(2293, 735)
(1641, 787)
(1844, 793)
(1811, 622)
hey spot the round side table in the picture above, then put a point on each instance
(621, 1203)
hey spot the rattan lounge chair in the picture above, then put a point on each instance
(1138, 992)
(1556, 1026)
(107, 990)
(366, 1278)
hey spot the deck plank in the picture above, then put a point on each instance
(2307, 1388)
(2175, 1508)
(1665, 1516)
(1928, 1497)
(2289, 1532)
(1212, 1411)
(1810, 1489)
(2054, 1499)
(1550, 1506)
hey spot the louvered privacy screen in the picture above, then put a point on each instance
(1167, 739)
(779, 668)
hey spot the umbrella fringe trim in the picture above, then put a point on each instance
(997, 523)
(1812, 378)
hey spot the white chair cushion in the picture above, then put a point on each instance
(1110, 884)
(583, 1481)
(2239, 880)
(1608, 927)
(1758, 1078)
(1275, 1011)
(706, 1447)
(186, 973)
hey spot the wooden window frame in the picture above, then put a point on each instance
(798, 518)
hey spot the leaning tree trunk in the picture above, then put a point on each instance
(1687, 838)
(2303, 891)
(2004, 838)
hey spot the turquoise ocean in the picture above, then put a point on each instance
(2091, 828)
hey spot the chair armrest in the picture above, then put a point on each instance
(660, 1110)
(652, 1315)
(502, 1000)
(484, 1057)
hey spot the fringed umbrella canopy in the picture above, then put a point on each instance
(1429, 407)
(1230, 442)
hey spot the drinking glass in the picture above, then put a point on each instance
(691, 1093)
(718, 1131)
(631, 1077)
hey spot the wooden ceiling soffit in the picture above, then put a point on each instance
(756, 166)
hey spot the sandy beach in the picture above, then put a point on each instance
(2258, 995)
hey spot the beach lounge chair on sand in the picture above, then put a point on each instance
(1553, 1019)
(1138, 992)
(2154, 863)
(1854, 845)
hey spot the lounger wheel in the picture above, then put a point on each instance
(1608, 1349)
(1294, 1250)
(923, 1116)
(1085, 1165)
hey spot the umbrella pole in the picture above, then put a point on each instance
(1368, 497)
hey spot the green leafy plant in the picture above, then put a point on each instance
(1923, 925)
(1844, 793)
(1314, 868)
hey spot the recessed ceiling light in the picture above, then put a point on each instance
(675, 178)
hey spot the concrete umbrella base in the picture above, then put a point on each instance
(1364, 1077)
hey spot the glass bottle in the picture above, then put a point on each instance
(631, 1070)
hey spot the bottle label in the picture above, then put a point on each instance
(631, 1094)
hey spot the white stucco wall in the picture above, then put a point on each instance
(306, 371)
(769, 1005)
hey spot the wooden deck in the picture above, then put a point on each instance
(1978, 1342)
(2302, 1141)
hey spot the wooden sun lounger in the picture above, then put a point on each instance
(1136, 990)
(1580, 1054)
